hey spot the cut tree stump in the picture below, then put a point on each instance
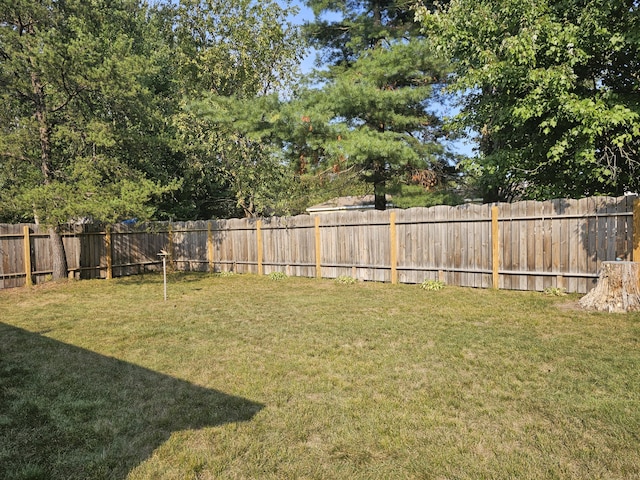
(618, 288)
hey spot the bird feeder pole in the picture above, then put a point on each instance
(164, 254)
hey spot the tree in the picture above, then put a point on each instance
(552, 90)
(373, 97)
(230, 56)
(74, 91)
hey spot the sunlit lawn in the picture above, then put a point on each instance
(247, 377)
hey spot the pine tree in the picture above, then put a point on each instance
(374, 94)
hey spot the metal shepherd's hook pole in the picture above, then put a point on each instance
(164, 254)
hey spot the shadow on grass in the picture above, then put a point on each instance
(66, 412)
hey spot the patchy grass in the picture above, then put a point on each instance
(243, 377)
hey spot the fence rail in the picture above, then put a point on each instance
(522, 246)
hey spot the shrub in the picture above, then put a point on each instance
(432, 285)
(346, 280)
(224, 274)
(555, 291)
(277, 276)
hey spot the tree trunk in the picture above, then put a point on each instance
(58, 254)
(380, 201)
(618, 288)
(379, 186)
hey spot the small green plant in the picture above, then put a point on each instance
(346, 280)
(555, 291)
(277, 276)
(224, 274)
(432, 285)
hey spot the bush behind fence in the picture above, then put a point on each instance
(526, 245)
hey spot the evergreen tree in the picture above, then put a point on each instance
(372, 104)
(75, 100)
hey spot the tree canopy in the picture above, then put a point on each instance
(551, 88)
(77, 104)
(94, 97)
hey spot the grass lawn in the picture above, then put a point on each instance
(244, 377)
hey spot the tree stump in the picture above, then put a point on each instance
(618, 288)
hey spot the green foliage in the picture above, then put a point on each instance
(551, 89)
(78, 111)
(432, 285)
(555, 292)
(224, 274)
(408, 196)
(277, 276)
(232, 57)
(345, 280)
(97, 116)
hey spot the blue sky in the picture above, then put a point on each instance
(305, 14)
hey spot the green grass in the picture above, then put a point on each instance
(242, 377)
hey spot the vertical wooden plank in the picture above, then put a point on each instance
(506, 242)
(4, 258)
(636, 230)
(621, 227)
(441, 235)
(27, 256)
(393, 247)
(539, 232)
(612, 224)
(259, 245)
(547, 224)
(573, 244)
(532, 240)
(475, 240)
(318, 246)
(582, 227)
(170, 244)
(108, 252)
(626, 229)
(432, 240)
(591, 241)
(457, 245)
(495, 247)
(210, 247)
(465, 244)
(521, 245)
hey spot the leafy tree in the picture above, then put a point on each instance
(372, 104)
(74, 97)
(229, 56)
(552, 90)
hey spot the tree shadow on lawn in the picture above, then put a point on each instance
(67, 412)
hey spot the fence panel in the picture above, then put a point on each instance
(559, 243)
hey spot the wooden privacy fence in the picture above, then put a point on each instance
(522, 246)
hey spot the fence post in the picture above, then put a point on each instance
(27, 256)
(210, 247)
(318, 249)
(393, 247)
(107, 246)
(636, 230)
(259, 235)
(495, 247)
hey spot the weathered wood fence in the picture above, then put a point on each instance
(522, 246)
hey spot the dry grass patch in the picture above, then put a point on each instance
(243, 377)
